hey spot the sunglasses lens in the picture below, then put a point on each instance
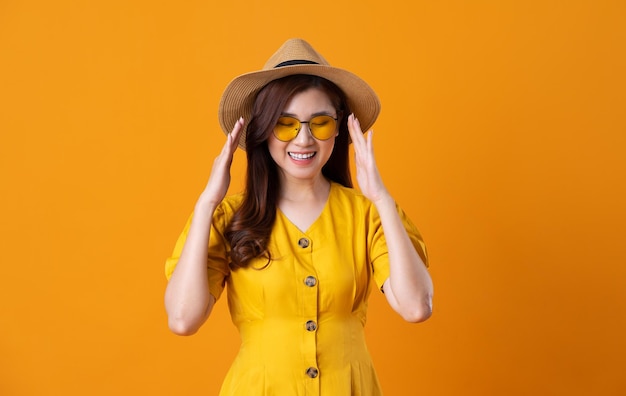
(286, 128)
(323, 127)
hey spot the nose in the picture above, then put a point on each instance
(304, 137)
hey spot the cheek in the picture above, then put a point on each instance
(328, 147)
(275, 147)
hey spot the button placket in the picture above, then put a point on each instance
(309, 311)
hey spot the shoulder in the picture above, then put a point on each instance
(339, 191)
(346, 202)
(348, 196)
(231, 203)
(227, 208)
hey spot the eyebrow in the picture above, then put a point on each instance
(327, 113)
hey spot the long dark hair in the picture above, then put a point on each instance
(251, 225)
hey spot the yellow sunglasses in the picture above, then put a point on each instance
(322, 127)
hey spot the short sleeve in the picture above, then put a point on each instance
(217, 258)
(379, 254)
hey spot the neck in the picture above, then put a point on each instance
(304, 190)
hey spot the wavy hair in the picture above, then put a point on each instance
(249, 230)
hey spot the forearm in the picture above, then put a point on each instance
(188, 302)
(409, 288)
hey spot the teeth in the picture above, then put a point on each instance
(301, 156)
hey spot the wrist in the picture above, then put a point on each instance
(384, 199)
(205, 206)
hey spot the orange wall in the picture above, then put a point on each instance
(502, 135)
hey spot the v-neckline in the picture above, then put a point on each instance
(316, 220)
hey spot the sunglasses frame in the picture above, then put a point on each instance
(299, 128)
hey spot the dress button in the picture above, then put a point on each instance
(310, 281)
(303, 243)
(312, 372)
(311, 325)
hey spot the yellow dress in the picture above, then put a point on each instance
(301, 318)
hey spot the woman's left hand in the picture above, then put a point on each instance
(367, 174)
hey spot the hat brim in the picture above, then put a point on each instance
(240, 94)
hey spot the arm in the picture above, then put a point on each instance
(188, 301)
(409, 288)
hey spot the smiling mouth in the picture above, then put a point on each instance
(299, 156)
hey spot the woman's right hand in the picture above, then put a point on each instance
(219, 181)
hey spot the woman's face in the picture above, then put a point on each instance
(304, 156)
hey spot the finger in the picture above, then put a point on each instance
(352, 125)
(233, 136)
(355, 132)
(237, 128)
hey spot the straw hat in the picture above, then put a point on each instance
(295, 56)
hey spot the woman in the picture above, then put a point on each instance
(299, 248)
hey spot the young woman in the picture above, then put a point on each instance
(299, 249)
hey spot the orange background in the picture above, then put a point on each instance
(502, 135)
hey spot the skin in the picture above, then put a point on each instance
(409, 289)
(304, 192)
